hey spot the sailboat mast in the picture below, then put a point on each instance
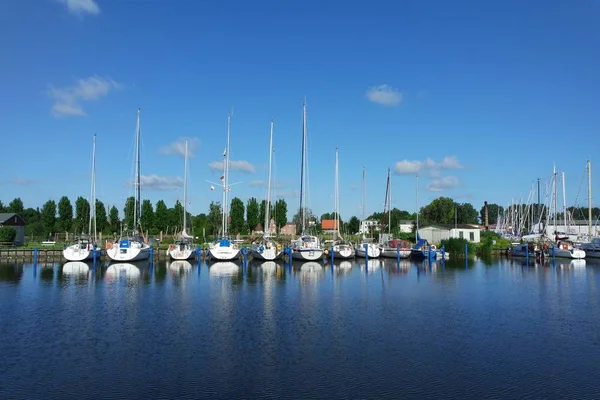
(268, 202)
(336, 196)
(364, 192)
(93, 191)
(564, 201)
(302, 173)
(185, 174)
(589, 171)
(137, 205)
(226, 179)
(417, 207)
(389, 204)
(555, 203)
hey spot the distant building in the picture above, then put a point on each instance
(15, 221)
(329, 225)
(368, 226)
(406, 226)
(258, 230)
(288, 230)
(434, 234)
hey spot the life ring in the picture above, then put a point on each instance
(171, 247)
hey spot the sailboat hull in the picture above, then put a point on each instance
(181, 252)
(389, 252)
(76, 253)
(343, 252)
(266, 254)
(307, 254)
(223, 253)
(365, 250)
(132, 253)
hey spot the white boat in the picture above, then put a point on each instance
(565, 249)
(266, 248)
(180, 267)
(307, 247)
(529, 249)
(389, 247)
(395, 247)
(82, 248)
(183, 248)
(366, 248)
(131, 246)
(75, 268)
(342, 249)
(592, 248)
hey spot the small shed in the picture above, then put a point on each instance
(18, 223)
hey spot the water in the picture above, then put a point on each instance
(499, 330)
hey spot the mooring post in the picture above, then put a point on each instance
(35, 255)
(94, 254)
(553, 255)
(398, 254)
(527, 254)
(332, 256)
(245, 254)
(466, 250)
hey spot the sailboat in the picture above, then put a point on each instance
(388, 246)
(183, 248)
(224, 249)
(366, 248)
(131, 246)
(591, 245)
(266, 248)
(83, 246)
(342, 248)
(306, 247)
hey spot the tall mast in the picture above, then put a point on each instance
(589, 171)
(226, 179)
(93, 192)
(364, 193)
(137, 205)
(564, 201)
(302, 172)
(336, 195)
(417, 206)
(268, 202)
(389, 204)
(185, 174)
(554, 198)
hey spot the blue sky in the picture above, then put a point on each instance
(481, 98)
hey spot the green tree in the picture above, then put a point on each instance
(129, 210)
(147, 217)
(237, 216)
(439, 211)
(466, 214)
(101, 220)
(161, 216)
(113, 220)
(65, 214)
(7, 234)
(82, 215)
(2, 207)
(31, 215)
(326, 216)
(176, 217)
(310, 220)
(200, 223)
(353, 225)
(214, 219)
(16, 206)
(48, 216)
(263, 209)
(253, 214)
(280, 213)
(493, 211)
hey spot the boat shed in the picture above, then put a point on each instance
(15, 221)
(434, 234)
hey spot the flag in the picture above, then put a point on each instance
(212, 187)
(225, 152)
(222, 178)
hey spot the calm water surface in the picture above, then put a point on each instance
(496, 330)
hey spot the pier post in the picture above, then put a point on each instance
(332, 256)
(94, 255)
(527, 255)
(35, 255)
(398, 254)
(245, 254)
(553, 255)
(366, 257)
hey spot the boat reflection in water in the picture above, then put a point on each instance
(370, 266)
(311, 271)
(268, 268)
(180, 267)
(125, 270)
(223, 268)
(75, 268)
(566, 264)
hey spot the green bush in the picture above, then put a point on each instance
(7, 234)
(490, 241)
(456, 247)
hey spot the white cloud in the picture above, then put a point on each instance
(441, 184)
(22, 181)
(178, 147)
(67, 100)
(384, 95)
(263, 183)
(407, 167)
(155, 182)
(288, 194)
(80, 7)
(241, 166)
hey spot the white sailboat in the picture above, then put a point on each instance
(591, 245)
(342, 249)
(266, 248)
(82, 248)
(183, 248)
(131, 246)
(366, 248)
(306, 247)
(224, 249)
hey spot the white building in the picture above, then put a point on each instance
(406, 226)
(368, 226)
(434, 234)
